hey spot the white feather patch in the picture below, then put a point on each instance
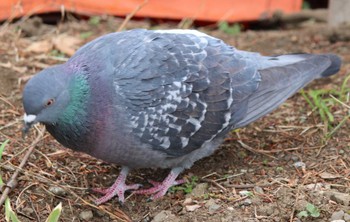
(29, 118)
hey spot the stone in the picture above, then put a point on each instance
(338, 215)
(340, 198)
(244, 193)
(191, 208)
(86, 215)
(28, 210)
(210, 202)
(314, 186)
(247, 202)
(200, 190)
(187, 201)
(57, 191)
(258, 190)
(165, 215)
(212, 206)
(347, 217)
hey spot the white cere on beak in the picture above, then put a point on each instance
(29, 118)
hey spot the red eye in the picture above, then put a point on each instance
(49, 102)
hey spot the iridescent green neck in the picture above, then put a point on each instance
(79, 92)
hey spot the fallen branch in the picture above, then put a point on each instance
(12, 182)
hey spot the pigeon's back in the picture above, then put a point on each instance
(181, 92)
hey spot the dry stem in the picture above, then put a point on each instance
(12, 180)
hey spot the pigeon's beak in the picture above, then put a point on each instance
(29, 120)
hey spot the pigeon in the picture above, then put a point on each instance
(161, 99)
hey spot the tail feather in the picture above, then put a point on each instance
(334, 66)
(279, 81)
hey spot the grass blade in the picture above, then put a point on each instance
(9, 214)
(2, 147)
(55, 214)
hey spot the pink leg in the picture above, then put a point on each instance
(159, 189)
(117, 189)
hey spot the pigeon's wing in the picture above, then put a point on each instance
(181, 91)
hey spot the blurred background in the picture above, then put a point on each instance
(193, 12)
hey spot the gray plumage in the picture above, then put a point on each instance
(163, 98)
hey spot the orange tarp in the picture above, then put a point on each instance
(207, 10)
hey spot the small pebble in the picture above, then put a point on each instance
(57, 191)
(164, 215)
(347, 217)
(200, 190)
(86, 215)
(247, 202)
(244, 193)
(230, 208)
(28, 211)
(341, 198)
(338, 215)
(210, 202)
(299, 164)
(258, 190)
(214, 208)
(187, 201)
(191, 208)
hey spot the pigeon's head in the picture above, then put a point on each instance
(45, 97)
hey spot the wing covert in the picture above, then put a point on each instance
(183, 90)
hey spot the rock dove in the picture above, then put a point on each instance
(161, 99)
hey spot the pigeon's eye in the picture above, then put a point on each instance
(49, 102)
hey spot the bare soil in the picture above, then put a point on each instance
(282, 162)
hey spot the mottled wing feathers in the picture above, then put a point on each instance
(180, 91)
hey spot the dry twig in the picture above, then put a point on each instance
(12, 180)
(129, 16)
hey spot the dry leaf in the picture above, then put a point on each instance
(192, 207)
(40, 46)
(328, 176)
(66, 44)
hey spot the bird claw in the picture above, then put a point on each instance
(118, 189)
(159, 189)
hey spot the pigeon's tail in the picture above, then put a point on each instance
(284, 76)
(333, 67)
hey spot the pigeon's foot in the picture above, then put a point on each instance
(159, 189)
(117, 189)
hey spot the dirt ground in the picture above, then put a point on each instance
(268, 171)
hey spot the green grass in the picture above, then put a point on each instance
(2, 147)
(186, 187)
(86, 35)
(233, 29)
(323, 101)
(10, 215)
(95, 20)
(310, 210)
